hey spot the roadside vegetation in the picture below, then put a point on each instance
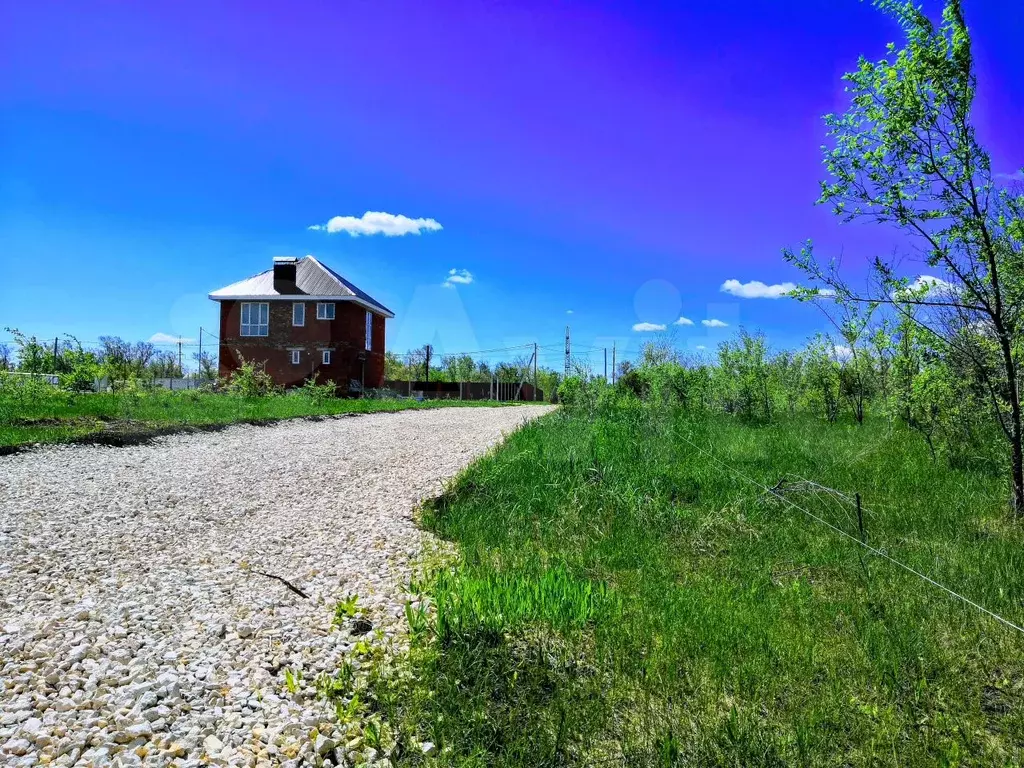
(32, 410)
(619, 597)
(807, 557)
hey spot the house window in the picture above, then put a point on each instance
(298, 313)
(369, 330)
(327, 357)
(296, 356)
(325, 311)
(255, 318)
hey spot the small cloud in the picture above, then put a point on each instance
(755, 289)
(166, 338)
(568, 311)
(712, 323)
(457, 277)
(931, 283)
(701, 347)
(377, 223)
(683, 321)
(842, 352)
(1017, 175)
(927, 285)
(642, 327)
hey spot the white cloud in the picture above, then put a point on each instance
(712, 323)
(683, 321)
(701, 347)
(755, 289)
(377, 223)
(842, 352)
(641, 327)
(458, 277)
(1015, 176)
(568, 311)
(166, 338)
(931, 283)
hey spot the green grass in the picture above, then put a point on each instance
(42, 414)
(620, 597)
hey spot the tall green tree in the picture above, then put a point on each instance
(906, 154)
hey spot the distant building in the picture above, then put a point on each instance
(301, 319)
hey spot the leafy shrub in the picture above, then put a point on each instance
(80, 369)
(318, 393)
(570, 392)
(251, 380)
(21, 392)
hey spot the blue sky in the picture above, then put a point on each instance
(615, 161)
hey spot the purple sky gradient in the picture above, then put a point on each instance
(572, 151)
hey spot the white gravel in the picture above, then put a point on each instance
(131, 631)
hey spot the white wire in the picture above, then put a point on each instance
(854, 539)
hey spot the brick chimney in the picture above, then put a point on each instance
(284, 274)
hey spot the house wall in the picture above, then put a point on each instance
(345, 335)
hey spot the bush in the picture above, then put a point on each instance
(318, 393)
(80, 371)
(251, 380)
(570, 392)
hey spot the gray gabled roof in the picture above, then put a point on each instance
(312, 279)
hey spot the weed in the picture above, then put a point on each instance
(346, 609)
(292, 679)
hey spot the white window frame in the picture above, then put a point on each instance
(261, 326)
(296, 356)
(325, 310)
(298, 308)
(326, 356)
(369, 331)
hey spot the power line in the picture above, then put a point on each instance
(874, 550)
(481, 351)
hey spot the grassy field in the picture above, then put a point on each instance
(45, 414)
(619, 598)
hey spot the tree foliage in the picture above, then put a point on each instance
(906, 154)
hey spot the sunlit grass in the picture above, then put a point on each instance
(622, 596)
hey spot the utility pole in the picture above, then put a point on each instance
(180, 369)
(535, 370)
(606, 363)
(427, 352)
(200, 361)
(613, 362)
(55, 355)
(567, 349)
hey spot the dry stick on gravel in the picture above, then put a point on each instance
(287, 583)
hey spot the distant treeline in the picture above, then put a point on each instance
(78, 367)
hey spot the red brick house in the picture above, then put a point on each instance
(301, 319)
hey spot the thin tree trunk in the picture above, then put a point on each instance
(1016, 434)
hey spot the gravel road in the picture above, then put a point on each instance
(133, 629)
